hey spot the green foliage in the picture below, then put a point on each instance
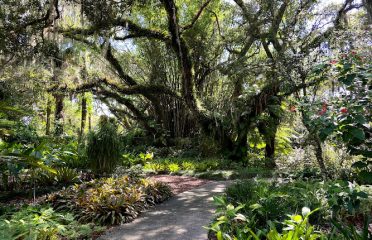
(173, 168)
(230, 222)
(347, 117)
(263, 207)
(62, 175)
(45, 164)
(44, 178)
(69, 153)
(297, 227)
(350, 232)
(283, 139)
(233, 225)
(9, 128)
(363, 171)
(308, 173)
(129, 159)
(110, 201)
(65, 175)
(187, 164)
(43, 223)
(133, 172)
(274, 200)
(24, 134)
(344, 198)
(103, 148)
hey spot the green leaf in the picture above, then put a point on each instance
(358, 133)
(239, 207)
(359, 165)
(219, 235)
(325, 132)
(219, 201)
(255, 206)
(350, 77)
(362, 194)
(222, 218)
(365, 176)
(297, 218)
(240, 217)
(360, 119)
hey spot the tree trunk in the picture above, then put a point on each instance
(270, 151)
(315, 141)
(368, 6)
(83, 116)
(240, 147)
(90, 122)
(58, 116)
(48, 120)
(268, 128)
(319, 156)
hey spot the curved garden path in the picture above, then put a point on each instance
(180, 218)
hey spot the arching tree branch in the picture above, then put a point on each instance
(196, 17)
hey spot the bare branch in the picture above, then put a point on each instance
(336, 25)
(196, 17)
(131, 90)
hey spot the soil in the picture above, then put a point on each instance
(180, 184)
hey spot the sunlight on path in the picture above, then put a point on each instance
(180, 218)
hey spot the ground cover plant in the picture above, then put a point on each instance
(82, 211)
(259, 209)
(217, 168)
(110, 201)
(43, 222)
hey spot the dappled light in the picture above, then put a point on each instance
(185, 119)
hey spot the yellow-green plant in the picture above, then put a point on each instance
(173, 168)
(110, 201)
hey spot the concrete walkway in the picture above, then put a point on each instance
(180, 218)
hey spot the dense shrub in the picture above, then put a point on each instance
(233, 225)
(263, 206)
(103, 147)
(110, 201)
(23, 134)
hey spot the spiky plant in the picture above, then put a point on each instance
(103, 147)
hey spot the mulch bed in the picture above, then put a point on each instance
(180, 184)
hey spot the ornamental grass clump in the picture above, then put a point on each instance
(110, 201)
(103, 147)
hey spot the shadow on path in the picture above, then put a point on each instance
(180, 218)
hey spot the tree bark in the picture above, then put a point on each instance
(83, 115)
(315, 141)
(268, 130)
(270, 151)
(319, 156)
(58, 116)
(48, 120)
(90, 122)
(368, 6)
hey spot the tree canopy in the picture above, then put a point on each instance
(228, 70)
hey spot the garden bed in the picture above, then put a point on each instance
(262, 209)
(82, 211)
